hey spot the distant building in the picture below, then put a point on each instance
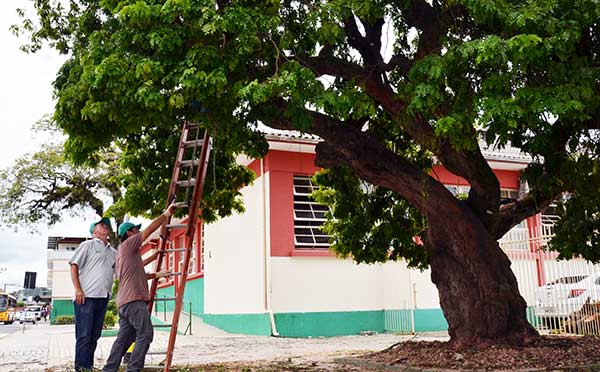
(59, 253)
(27, 294)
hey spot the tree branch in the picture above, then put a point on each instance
(472, 166)
(427, 19)
(399, 62)
(537, 200)
(513, 213)
(369, 46)
(372, 161)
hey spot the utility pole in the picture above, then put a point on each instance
(3, 270)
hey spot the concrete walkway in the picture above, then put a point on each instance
(43, 346)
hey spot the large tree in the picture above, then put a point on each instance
(390, 87)
(42, 187)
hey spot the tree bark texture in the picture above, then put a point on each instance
(478, 290)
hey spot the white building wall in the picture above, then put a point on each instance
(59, 271)
(314, 284)
(61, 279)
(409, 288)
(318, 284)
(426, 293)
(234, 259)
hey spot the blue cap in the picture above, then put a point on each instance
(126, 226)
(103, 220)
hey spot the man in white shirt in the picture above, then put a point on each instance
(92, 274)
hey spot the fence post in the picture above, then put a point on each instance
(534, 226)
(190, 318)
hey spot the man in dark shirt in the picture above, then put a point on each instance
(133, 296)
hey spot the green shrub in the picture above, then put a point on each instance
(64, 319)
(110, 319)
(112, 307)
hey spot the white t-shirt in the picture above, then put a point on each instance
(96, 263)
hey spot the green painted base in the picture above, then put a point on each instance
(60, 308)
(109, 332)
(248, 324)
(112, 332)
(426, 320)
(327, 324)
(194, 294)
(429, 320)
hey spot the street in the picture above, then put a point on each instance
(43, 346)
(8, 329)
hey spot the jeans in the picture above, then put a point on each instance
(89, 319)
(134, 325)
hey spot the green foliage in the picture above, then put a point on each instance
(64, 319)
(112, 306)
(110, 319)
(519, 73)
(115, 288)
(578, 230)
(40, 187)
(369, 223)
(20, 304)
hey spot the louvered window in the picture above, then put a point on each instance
(309, 216)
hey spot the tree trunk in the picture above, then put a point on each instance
(478, 290)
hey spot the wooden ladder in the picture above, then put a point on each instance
(189, 174)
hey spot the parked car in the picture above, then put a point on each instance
(31, 314)
(566, 295)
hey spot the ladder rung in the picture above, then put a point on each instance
(154, 367)
(193, 143)
(165, 299)
(155, 353)
(175, 226)
(189, 163)
(161, 325)
(181, 205)
(175, 250)
(186, 183)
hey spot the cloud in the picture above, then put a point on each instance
(25, 97)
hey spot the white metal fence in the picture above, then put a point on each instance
(562, 296)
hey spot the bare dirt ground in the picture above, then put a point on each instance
(548, 352)
(551, 353)
(273, 367)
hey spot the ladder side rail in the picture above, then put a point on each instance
(177, 168)
(198, 189)
(163, 229)
(179, 292)
(193, 156)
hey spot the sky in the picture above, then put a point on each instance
(25, 97)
